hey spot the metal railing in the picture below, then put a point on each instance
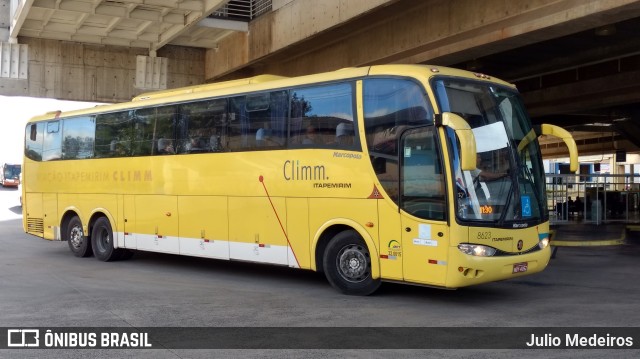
(593, 198)
(243, 10)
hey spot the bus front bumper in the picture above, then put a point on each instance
(11, 183)
(466, 270)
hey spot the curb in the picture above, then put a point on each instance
(592, 243)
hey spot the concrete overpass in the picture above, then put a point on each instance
(577, 62)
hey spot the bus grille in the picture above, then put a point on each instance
(500, 253)
(35, 225)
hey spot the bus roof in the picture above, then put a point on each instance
(266, 82)
(206, 87)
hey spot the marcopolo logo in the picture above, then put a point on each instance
(23, 338)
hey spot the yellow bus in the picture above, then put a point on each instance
(365, 174)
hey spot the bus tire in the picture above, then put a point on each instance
(347, 264)
(78, 242)
(102, 241)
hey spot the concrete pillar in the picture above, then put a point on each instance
(5, 20)
(96, 73)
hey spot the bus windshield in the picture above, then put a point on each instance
(508, 184)
(11, 171)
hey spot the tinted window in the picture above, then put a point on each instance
(142, 140)
(390, 106)
(423, 192)
(203, 126)
(258, 121)
(322, 117)
(163, 129)
(114, 133)
(139, 132)
(79, 137)
(34, 136)
(52, 147)
(240, 134)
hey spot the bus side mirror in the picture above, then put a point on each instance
(555, 131)
(465, 137)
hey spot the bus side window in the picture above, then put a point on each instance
(277, 117)
(113, 134)
(201, 126)
(78, 137)
(421, 174)
(52, 147)
(344, 135)
(272, 121)
(263, 135)
(33, 141)
(320, 115)
(257, 121)
(141, 136)
(163, 127)
(33, 132)
(391, 105)
(239, 136)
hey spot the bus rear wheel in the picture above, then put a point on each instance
(102, 241)
(347, 264)
(78, 242)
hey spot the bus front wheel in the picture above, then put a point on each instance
(347, 264)
(102, 241)
(78, 242)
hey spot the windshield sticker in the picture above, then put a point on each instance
(526, 206)
(491, 137)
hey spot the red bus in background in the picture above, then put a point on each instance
(10, 175)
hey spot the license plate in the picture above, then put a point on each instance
(520, 267)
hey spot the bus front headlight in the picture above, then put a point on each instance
(476, 250)
(543, 243)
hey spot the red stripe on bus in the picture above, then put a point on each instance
(261, 179)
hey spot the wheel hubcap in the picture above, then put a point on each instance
(103, 240)
(353, 262)
(76, 236)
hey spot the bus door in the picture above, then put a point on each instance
(425, 250)
(425, 234)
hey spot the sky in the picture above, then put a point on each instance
(16, 111)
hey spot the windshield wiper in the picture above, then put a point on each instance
(514, 162)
